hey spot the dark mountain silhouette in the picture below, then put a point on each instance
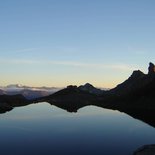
(91, 89)
(132, 83)
(13, 98)
(7, 102)
(70, 98)
(136, 83)
(136, 92)
(135, 96)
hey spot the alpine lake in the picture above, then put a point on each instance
(44, 129)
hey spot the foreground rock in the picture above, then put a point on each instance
(145, 150)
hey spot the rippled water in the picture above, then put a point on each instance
(42, 129)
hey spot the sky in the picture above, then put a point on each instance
(63, 42)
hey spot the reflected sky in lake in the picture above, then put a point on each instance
(43, 129)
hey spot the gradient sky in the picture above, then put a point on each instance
(62, 42)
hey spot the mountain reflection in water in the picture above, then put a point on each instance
(145, 115)
(45, 129)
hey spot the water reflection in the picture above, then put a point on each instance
(45, 129)
(145, 115)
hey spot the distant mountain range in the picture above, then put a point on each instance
(27, 91)
(135, 96)
(37, 92)
(138, 85)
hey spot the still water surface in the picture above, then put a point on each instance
(42, 129)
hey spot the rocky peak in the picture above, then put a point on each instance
(151, 68)
(88, 85)
(137, 74)
(90, 89)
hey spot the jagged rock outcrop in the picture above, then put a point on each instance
(151, 69)
(132, 83)
(137, 82)
(136, 75)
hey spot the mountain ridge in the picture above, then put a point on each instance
(134, 96)
(131, 93)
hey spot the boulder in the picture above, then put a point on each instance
(145, 150)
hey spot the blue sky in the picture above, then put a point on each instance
(62, 42)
